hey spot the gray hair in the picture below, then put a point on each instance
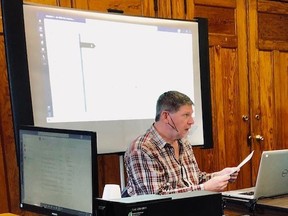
(171, 101)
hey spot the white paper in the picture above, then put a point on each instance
(243, 162)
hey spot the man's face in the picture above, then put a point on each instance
(183, 120)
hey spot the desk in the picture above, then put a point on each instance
(277, 206)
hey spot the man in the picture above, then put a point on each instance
(162, 161)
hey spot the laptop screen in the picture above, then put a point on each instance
(57, 170)
(272, 178)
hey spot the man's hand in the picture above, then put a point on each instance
(228, 170)
(217, 183)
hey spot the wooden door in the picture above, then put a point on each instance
(268, 66)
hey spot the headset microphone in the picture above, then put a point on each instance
(172, 126)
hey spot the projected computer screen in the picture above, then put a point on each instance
(104, 72)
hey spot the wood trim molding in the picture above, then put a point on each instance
(1, 26)
(272, 36)
(273, 45)
(4, 207)
(228, 41)
(222, 3)
(1, 22)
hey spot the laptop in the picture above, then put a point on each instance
(272, 178)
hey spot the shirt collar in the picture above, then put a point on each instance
(157, 137)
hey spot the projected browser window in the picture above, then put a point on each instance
(100, 70)
(105, 72)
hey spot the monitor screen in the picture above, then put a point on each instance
(58, 170)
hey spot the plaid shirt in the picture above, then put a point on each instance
(153, 169)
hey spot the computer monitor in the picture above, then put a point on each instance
(58, 170)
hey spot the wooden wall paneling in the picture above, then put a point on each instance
(164, 8)
(221, 19)
(216, 3)
(62, 3)
(273, 45)
(206, 157)
(4, 207)
(225, 106)
(280, 67)
(209, 160)
(274, 67)
(108, 171)
(226, 41)
(4, 197)
(149, 8)
(44, 2)
(266, 100)
(221, 24)
(1, 25)
(272, 6)
(82, 5)
(178, 9)
(7, 136)
(244, 178)
(273, 26)
(230, 131)
(218, 98)
(254, 91)
(274, 35)
(227, 122)
(4, 203)
(235, 131)
(130, 7)
(190, 9)
(66, 3)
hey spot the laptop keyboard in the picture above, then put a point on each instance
(250, 193)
